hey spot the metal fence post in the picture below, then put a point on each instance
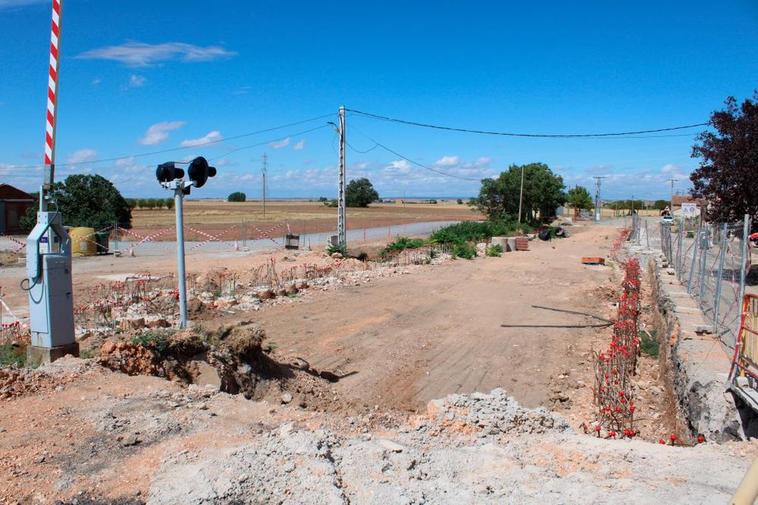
(695, 251)
(744, 251)
(681, 251)
(722, 256)
(704, 263)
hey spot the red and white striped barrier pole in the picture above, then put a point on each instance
(52, 101)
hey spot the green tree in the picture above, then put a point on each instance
(726, 177)
(579, 198)
(543, 193)
(86, 200)
(169, 203)
(237, 196)
(660, 204)
(360, 193)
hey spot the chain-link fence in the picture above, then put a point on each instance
(712, 262)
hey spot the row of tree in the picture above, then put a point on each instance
(150, 203)
(726, 178)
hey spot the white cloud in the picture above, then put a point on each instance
(96, 81)
(82, 155)
(137, 81)
(398, 166)
(158, 132)
(212, 136)
(299, 146)
(448, 161)
(140, 54)
(281, 143)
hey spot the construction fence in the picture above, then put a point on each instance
(712, 260)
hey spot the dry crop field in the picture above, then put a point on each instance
(217, 217)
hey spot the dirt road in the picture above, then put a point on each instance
(414, 338)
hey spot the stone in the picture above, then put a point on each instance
(286, 398)
(389, 445)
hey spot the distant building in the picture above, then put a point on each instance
(13, 205)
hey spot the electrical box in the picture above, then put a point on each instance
(51, 303)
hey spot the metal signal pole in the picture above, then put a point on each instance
(341, 231)
(264, 170)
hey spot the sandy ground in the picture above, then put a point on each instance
(415, 338)
(414, 335)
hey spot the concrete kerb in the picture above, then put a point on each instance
(700, 361)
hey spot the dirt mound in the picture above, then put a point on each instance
(232, 359)
(128, 358)
(495, 413)
(16, 382)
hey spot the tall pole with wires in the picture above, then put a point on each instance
(521, 194)
(341, 223)
(671, 202)
(264, 171)
(598, 180)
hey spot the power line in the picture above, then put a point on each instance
(421, 165)
(530, 135)
(182, 148)
(251, 146)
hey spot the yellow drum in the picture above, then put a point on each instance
(83, 241)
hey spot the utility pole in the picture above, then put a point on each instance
(671, 205)
(598, 180)
(521, 194)
(264, 171)
(341, 224)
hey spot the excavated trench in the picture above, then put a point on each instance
(232, 358)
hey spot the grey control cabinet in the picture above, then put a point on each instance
(52, 324)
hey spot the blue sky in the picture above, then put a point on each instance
(171, 74)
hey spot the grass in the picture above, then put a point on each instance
(151, 340)
(495, 251)
(401, 244)
(649, 343)
(12, 355)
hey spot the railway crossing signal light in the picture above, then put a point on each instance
(199, 171)
(167, 172)
(172, 178)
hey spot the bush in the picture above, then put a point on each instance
(237, 196)
(464, 250)
(330, 203)
(649, 343)
(334, 248)
(402, 243)
(155, 341)
(459, 201)
(11, 355)
(475, 231)
(495, 250)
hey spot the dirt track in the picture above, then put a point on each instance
(414, 338)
